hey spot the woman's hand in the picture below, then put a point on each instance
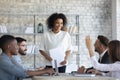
(66, 57)
(45, 55)
(63, 62)
(40, 68)
(93, 71)
(48, 58)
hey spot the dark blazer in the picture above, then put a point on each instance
(105, 60)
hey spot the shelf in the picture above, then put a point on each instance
(22, 34)
(72, 34)
(75, 52)
(26, 25)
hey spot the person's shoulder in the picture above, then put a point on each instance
(117, 62)
(106, 53)
(46, 33)
(15, 56)
(2, 55)
(3, 58)
(65, 32)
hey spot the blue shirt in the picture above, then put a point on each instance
(9, 70)
(17, 60)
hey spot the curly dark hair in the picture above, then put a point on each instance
(51, 19)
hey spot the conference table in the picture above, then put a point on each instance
(71, 77)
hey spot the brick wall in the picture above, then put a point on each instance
(94, 16)
(118, 19)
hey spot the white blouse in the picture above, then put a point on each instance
(114, 68)
(51, 40)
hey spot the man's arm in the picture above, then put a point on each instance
(10, 68)
(40, 72)
(89, 46)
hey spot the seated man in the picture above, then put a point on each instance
(8, 69)
(101, 47)
(22, 45)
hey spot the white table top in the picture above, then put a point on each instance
(70, 77)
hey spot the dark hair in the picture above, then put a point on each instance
(51, 19)
(5, 39)
(19, 39)
(104, 40)
(114, 50)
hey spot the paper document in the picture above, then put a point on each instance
(57, 54)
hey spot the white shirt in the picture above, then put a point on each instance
(114, 68)
(50, 40)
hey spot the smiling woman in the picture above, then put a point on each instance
(53, 20)
(55, 38)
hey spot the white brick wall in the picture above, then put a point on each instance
(94, 16)
(118, 19)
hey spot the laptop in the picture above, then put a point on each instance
(56, 68)
(74, 73)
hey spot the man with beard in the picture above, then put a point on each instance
(10, 70)
(22, 45)
(100, 45)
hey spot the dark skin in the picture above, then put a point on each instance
(58, 25)
(12, 48)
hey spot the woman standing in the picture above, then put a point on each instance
(54, 38)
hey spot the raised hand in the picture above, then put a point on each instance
(89, 45)
(88, 42)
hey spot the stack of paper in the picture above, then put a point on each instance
(57, 54)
